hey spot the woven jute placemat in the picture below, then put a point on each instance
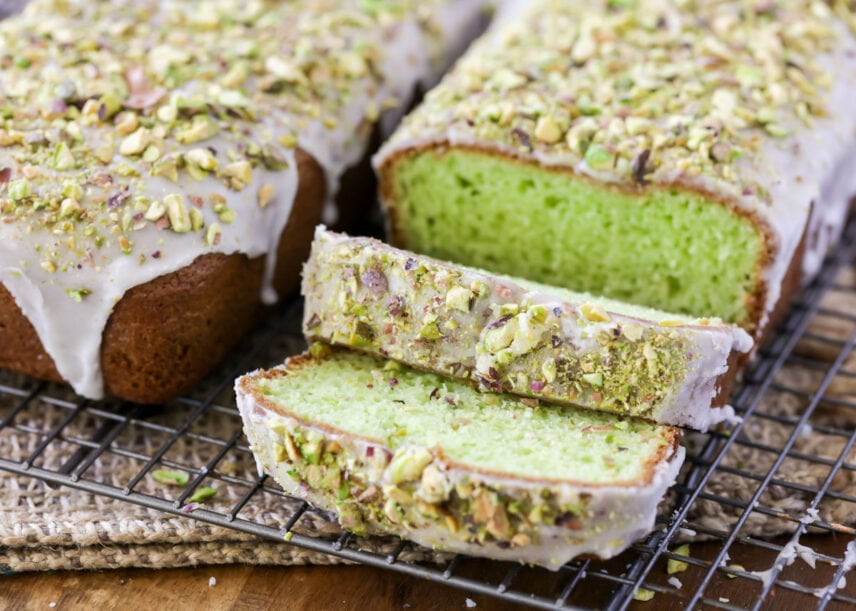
(43, 528)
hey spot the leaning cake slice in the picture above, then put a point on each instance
(507, 334)
(394, 451)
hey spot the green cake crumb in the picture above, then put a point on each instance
(668, 248)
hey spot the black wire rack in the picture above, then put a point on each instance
(737, 567)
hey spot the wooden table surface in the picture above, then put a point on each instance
(360, 587)
(237, 587)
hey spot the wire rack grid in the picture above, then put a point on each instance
(722, 496)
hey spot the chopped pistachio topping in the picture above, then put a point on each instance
(265, 195)
(63, 157)
(136, 143)
(18, 190)
(442, 319)
(212, 235)
(641, 91)
(121, 103)
(78, 295)
(238, 174)
(202, 128)
(127, 123)
(179, 215)
(594, 312)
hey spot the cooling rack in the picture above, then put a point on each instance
(740, 484)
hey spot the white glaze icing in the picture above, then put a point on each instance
(790, 552)
(849, 563)
(615, 516)
(71, 331)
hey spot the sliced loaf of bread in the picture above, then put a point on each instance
(693, 156)
(508, 334)
(392, 450)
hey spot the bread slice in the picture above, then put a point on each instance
(391, 450)
(508, 334)
(163, 163)
(695, 157)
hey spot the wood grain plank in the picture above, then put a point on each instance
(238, 588)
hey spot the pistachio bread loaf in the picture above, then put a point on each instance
(162, 164)
(696, 157)
(394, 451)
(508, 334)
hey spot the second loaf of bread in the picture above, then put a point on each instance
(162, 164)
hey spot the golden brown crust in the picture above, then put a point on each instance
(724, 381)
(20, 347)
(755, 301)
(791, 282)
(298, 362)
(165, 335)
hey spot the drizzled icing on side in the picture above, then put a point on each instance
(744, 100)
(135, 137)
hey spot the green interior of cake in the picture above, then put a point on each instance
(666, 248)
(381, 400)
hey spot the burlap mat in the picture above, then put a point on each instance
(42, 528)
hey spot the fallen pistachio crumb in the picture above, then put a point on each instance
(643, 595)
(678, 566)
(170, 477)
(735, 567)
(202, 494)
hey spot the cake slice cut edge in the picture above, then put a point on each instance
(511, 335)
(393, 451)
